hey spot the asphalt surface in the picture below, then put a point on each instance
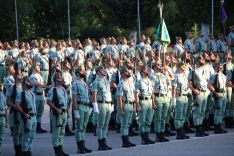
(213, 145)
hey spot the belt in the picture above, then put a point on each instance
(22, 70)
(83, 103)
(221, 51)
(44, 69)
(2, 115)
(32, 114)
(179, 94)
(201, 90)
(159, 95)
(64, 110)
(129, 102)
(108, 102)
(39, 93)
(144, 98)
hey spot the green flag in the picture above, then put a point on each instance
(158, 33)
(165, 38)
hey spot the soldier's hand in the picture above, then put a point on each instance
(134, 109)
(26, 116)
(121, 112)
(218, 95)
(58, 111)
(153, 106)
(138, 108)
(196, 92)
(6, 126)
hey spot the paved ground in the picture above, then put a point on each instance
(214, 145)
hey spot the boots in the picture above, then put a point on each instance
(168, 132)
(25, 153)
(129, 142)
(57, 151)
(104, 143)
(125, 142)
(179, 135)
(17, 150)
(29, 153)
(39, 129)
(101, 146)
(61, 151)
(143, 139)
(199, 131)
(218, 129)
(228, 122)
(94, 130)
(187, 128)
(68, 132)
(132, 132)
(148, 139)
(159, 137)
(81, 150)
(163, 138)
(86, 149)
(205, 125)
(182, 133)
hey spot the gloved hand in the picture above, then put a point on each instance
(76, 114)
(112, 108)
(95, 107)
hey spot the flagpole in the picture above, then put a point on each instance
(224, 32)
(160, 6)
(212, 17)
(68, 14)
(138, 21)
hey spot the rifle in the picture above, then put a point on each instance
(25, 109)
(55, 101)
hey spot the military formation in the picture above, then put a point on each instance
(116, 84)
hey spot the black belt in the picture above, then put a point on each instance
(200, 90)
(39, 93)
(144, 98)
(32, 114)
(221, 51)
(179, 94)
(2, 115)
(108, 102)
(129, 102)
(160, 95)
(83, 103)
(44, 69)
(64, 110)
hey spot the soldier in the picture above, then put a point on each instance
(3, 116)
(179, 49)
(188, 43)
(222, 46)
(15, 115)
(3, 58)
(180, 100)
(161, 100)
(43, 60)
(228, 68)
(8, 84)
(219, 86)
(26, 104)
(102, 103)
(57, 100)
(34, 49)
(145, 104)
(199, 88)
(125, 95)
(212, 45)
(200, 45)
(14, 52)
(23, 64)
(67, 84)
(82, 108)
(230, 38)
(38, 88)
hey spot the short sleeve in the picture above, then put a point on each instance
(50, 94)
(18, 98)
(95, 86)
(119, 91)
(74, 89)
(137, 87)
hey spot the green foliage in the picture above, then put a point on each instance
(97, 18)
(195, 32)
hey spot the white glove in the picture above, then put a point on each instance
(174, 102)
(76, 114)
(112, 108)
(95, 107)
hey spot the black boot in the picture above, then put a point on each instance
(163, 138)
(143, 139)
(125, 142)
(12, 130)
(25, 153)
(217, 130)
(132, 132)
(168, 132)
(39, 129)
(188, 129)
(29, 153)
(84, 147)
(203, 132)
(148, 139)
(198, 131)
(159, 137)
(61, 151)
(80, 148)
(101, 146)
(182, 133)
(57, 151)
(179, 135)
(68, 132)
(130, 143)
(104, 143)
(18, 150)
(228, 122)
